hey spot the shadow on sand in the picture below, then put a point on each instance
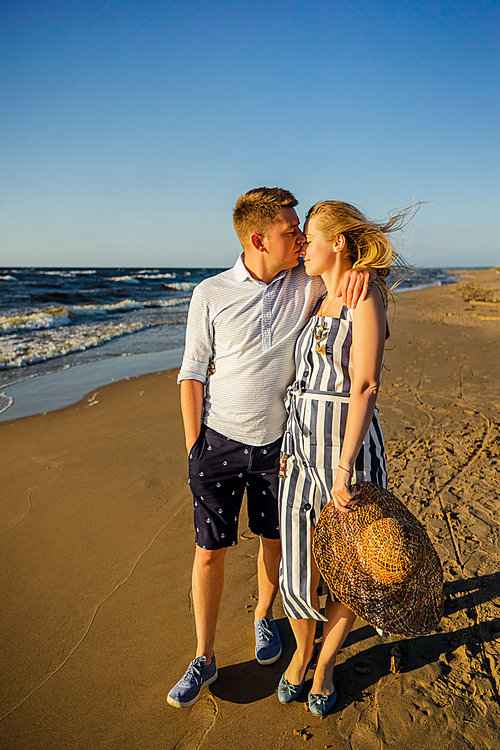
(248, 681)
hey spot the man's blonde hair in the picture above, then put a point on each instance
(256, 210)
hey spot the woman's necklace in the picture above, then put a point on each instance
(325, 308)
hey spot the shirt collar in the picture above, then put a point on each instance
(241, 272)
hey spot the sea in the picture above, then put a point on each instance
(53, 319)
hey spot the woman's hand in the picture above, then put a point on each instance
(343, 498)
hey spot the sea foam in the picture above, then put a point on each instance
(41, 347)
(49, 317)
(55, 317)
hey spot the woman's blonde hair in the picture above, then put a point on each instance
(367, 241)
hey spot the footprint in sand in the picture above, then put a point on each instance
(201, 720)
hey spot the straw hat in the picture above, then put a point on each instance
(379, 562)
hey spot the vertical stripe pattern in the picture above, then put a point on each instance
(313, 440)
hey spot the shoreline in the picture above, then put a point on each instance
(97, 543)
(44, 392)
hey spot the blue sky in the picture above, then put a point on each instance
(128, 130)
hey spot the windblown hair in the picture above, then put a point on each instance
(367, 241)
(256, 210)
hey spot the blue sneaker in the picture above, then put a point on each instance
(188, 689)
(267, 641)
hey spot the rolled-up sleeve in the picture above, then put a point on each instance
(198, 350)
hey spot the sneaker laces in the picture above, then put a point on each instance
(264, 633)
(193, 672)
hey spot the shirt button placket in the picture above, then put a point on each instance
(266, 319)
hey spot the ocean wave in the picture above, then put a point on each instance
(55, 317)
(134, 278)
(123, 279)
(167, 302)
(125, 305)
(149, 275)
(58, 297)
(19, 353)
(181, 286)
(67, 274)
(49, 317)
(111, 307)
(5, 402)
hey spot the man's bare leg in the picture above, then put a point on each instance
(268, 567)
(207, 585)
(267, 640)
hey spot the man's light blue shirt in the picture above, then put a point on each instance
(246, 331)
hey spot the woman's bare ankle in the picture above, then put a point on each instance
(299, 663)
(323, 683)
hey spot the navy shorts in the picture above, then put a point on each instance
(220, 470)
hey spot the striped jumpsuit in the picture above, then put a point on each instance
(317, 404)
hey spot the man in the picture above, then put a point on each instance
(238, 361)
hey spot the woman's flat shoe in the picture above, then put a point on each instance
(288, 692)
(320, 705)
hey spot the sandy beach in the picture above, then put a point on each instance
(96, 546)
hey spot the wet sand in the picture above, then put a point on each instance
(96, 548)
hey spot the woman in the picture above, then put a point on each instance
(333, 433)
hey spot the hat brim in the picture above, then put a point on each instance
(411, 608)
